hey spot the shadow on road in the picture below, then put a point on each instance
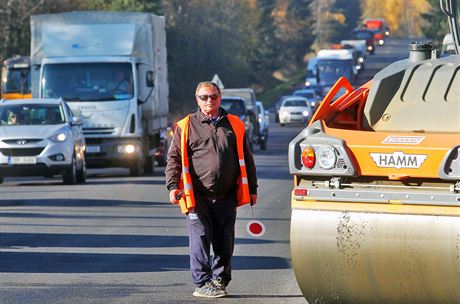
(23, 262)
(77, 203)
(51, 240)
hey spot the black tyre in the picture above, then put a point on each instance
(263, 145)
(81, 173)
(70, 175)
(137, 168)
(149, 164)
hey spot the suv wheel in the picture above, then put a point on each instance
(70, 174)
(81, 173)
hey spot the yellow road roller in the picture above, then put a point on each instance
(376, 197)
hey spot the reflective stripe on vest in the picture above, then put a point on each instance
(243, 195)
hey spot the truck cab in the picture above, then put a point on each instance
(333, 64)
(377, 26)
(16, 82)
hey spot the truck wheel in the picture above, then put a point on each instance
(81, 173)
(263, 145)
(137, 169)
(70, 174)
(149, 164)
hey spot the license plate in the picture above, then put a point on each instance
(93, 149)
(22, 160)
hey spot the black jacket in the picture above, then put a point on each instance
(213, 157)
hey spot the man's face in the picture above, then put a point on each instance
(208, 99)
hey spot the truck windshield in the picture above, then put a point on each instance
(331, 70)
(16, 81)
(88, 81)
(362, 34)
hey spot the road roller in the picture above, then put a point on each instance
(376, 197)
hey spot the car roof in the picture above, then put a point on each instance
(305, 90)
(31, 101)
(232, 97)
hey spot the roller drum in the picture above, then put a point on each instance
(365, 257)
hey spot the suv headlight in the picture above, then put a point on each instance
(60, 136)
(326, 157)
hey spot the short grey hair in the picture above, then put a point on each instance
(206, 84)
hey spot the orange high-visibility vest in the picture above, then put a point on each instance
(188, 198)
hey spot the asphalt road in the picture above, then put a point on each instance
(116, 239)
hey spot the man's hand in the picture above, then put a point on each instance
(173, 195)
(253, 199)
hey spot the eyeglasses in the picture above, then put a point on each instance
(205, 97)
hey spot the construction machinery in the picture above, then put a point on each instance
(16, 78)
(376, 198)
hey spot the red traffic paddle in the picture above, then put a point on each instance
(255, 228)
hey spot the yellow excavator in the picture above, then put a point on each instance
(376, 198)
(16, 82)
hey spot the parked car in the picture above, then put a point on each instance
(309, 94)
(237, 106)
(295, 109)
(41, 137)
(264, 123)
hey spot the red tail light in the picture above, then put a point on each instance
(308, 157)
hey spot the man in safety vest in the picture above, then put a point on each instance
(210, 171)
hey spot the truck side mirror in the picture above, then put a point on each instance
(150, 79)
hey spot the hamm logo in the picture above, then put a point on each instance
(398, 160)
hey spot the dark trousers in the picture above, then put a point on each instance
(212, 224)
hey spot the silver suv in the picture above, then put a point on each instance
(41, 137)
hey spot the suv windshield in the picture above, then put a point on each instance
(88, 81)
(31, 114)
(233, 106)
(295, 103)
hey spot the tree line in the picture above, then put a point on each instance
(256, 43)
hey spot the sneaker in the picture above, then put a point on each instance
(209, 290)
(220, 284)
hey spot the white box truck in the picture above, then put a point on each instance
(111, 69)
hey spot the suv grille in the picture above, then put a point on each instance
(22, 151)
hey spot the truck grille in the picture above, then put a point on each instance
(22, 151)
(98, 131)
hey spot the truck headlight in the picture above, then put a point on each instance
(326, 157)
(305, 113)
(128, 149)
